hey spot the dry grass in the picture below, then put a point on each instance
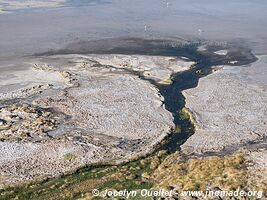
(227, 172)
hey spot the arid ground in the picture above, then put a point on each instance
(114, 95)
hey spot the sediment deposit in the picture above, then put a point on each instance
(230, 108)
(59, 113)
(257, 170)
(7, 6)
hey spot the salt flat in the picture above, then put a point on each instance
(62, 112)
(230, 107)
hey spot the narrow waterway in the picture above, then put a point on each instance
(174, 102)
(173, 99)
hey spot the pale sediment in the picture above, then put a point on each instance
(257, 170)
(6, 6)
(157, 68)
(230, 107)
(91, 112)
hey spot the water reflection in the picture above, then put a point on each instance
(79, 3)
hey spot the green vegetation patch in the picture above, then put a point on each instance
(186, 114)
(69, 156)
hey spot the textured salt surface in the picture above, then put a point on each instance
(230, 107)
(103, 112)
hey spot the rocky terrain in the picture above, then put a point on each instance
(22, 122)
(59, 113)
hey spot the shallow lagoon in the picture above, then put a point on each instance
(30, 31)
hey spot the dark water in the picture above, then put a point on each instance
(174, 100)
